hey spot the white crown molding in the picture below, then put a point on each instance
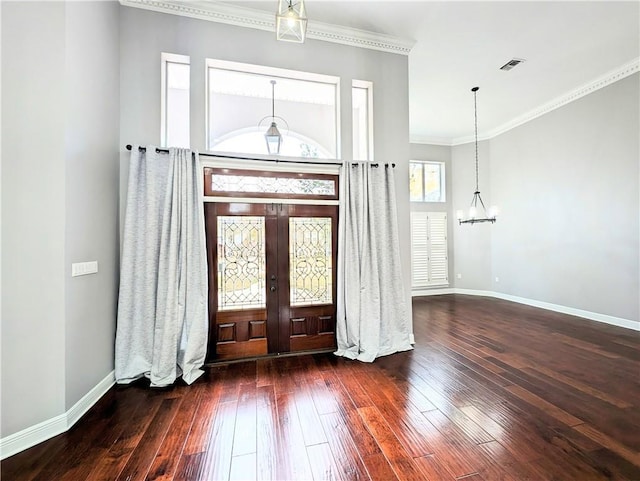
(470, 138)
(40, 432)
(586, 89)
(359, 38)
(448, 141)
(443, 141)
(260, 20)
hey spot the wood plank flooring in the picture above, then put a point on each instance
(493, 391)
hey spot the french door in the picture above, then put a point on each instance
(272, 278)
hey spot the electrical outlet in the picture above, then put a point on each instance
(497, 279)
(458, 276)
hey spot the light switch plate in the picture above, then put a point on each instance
(84, 268)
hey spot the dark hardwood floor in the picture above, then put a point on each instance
(493, 391)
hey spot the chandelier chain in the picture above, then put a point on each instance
(273, 98)
(477, 198)
(475, 110)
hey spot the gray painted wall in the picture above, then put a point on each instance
(472, 243)
(92, 184)
(439, 153)
(145, 34)
(62, 134)
(59, 204)
(567, 185)
(578, 167)
(33, 213)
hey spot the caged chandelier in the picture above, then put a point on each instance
(473, 209)
(291, 21)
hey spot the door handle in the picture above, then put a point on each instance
(273, 288)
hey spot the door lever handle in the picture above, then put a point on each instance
(273, 288)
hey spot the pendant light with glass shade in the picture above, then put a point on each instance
(474, 215)
(272, 136)
(291, 21)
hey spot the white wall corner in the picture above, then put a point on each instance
(88, 400)
(40, 432)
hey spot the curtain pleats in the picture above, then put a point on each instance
(372, 317)
(162, 309)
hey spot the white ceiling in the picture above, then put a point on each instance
(459, 45)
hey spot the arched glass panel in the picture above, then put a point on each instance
(251, 141)
(242, 102)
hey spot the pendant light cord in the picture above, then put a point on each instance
(473, 219)
(273, 101)
(475, 109)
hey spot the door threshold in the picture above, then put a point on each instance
(222, 362)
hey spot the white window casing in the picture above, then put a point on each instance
(240, 103)
(362, 113)
(427, 181)
(174, 103)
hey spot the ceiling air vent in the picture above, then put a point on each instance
(511, 63)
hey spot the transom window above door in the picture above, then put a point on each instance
(241, 103)
(273, 185)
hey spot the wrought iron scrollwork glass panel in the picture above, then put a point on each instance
(272, 185)
(241, 262)
(310, 261)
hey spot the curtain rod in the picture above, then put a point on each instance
(144, 149)
(158, 150)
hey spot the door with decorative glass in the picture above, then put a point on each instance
(272, 278)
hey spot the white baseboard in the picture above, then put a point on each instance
(89, 399)
(593, 316)
(432, 292)
(475, 292)
(33, 435)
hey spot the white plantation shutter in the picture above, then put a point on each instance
(429, 263)
(438, 258)
(419, 249)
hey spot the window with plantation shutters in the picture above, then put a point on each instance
(429, 263)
